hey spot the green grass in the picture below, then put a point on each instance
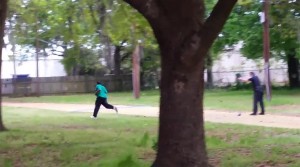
(125, 98)
(50, 138)
(283, 101)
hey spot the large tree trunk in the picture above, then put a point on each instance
(293, 69)
(181, 132)
(184, 38)
(3, 9)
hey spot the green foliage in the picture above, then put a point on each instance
(244, 25)
(82, 58)
(128, 162)
(85, 23)
(53, 138)
(60, 23)
(128, 24)
(144, 140)
(154, 145)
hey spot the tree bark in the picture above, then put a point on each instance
(117, 60)
(101, 11)
(3, 11)
(184, 38)
(209, 64)
(293, 69)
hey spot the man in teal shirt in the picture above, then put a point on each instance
(101, 99)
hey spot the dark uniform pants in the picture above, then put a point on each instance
(258, 98)
(101, 101)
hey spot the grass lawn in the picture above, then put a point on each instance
(51, 138)
(283, 101)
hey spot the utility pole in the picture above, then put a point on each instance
(136, 66)
(13, 43)
(37, 45)
(136, 71)
(266, 43)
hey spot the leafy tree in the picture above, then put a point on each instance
(65, 24)
(218, 45)
(126, 27)
(3, 11)
(95, 24)
(285, 36)
(284, 30)
(184, 37)
(80, 61)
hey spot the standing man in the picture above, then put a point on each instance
(257, 93)
(101, 99)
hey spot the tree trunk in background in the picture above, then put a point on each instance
(3, 10)
(209, 64)
(102, 15)
(293, 69)
(108, 53)
(117, 60)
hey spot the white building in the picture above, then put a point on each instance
(233, 62)
(48, 66)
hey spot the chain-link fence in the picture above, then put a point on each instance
(278, 76)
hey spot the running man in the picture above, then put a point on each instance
(101, 99)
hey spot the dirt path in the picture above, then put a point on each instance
(209, 115)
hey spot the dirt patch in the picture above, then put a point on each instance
(289, 110)
(268, 120)
(297, 156)
(285, 107)
(89, 158)
(148, 155)
(32, 145)
(227, 136)
(215, 156)
(270, 164)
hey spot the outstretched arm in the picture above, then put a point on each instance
(243, 79)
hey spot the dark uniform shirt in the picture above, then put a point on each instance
(255, 83)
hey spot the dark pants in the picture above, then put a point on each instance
(258, 98)
(101, 101)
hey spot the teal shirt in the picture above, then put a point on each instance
(103, 91)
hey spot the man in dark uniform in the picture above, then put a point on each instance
(257, 93)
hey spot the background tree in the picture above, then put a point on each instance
(286, 36)
(126, 27)
(3, 11)
(184, 38)
(78, 26)
(284, 33)
(57, 24)
(219, 43)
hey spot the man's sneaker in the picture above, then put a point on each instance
(116, 109)
(253, 114)
(261, 113)
(93, 117)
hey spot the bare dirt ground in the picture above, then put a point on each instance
(268, 120)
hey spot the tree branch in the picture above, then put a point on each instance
(148, 8)
(216, 21)
(93, 15)
(125, 56)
